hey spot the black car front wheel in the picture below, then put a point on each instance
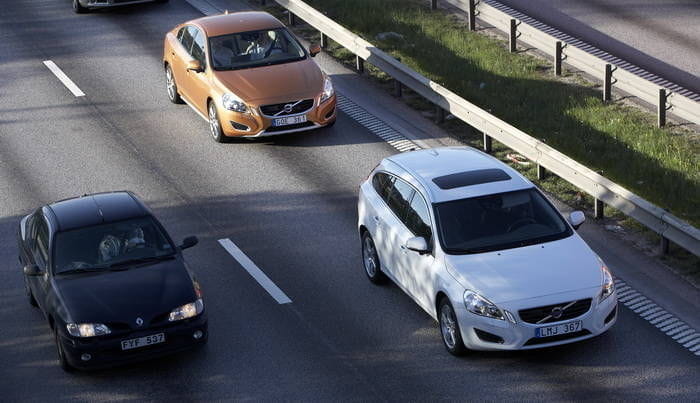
(62, 360)
(30, 295)
(78, 8)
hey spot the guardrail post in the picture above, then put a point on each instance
(433, 4)
(665, 245)
(324, 40)
(541, 172)
(662, 107)
(488, 143)
(398, 90)
(439, 115)
(292, 20)
(557, 58)
(607, 82)
(472, 15)
(359, 64)
(598, 209)
(513, 34)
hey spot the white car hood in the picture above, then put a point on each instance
(528, 272)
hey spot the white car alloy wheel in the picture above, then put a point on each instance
(370, 260)
(449, 329)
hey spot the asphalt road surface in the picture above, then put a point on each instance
(661, 36)
(288, 202)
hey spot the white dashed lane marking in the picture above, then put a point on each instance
(255, 271)
(64, 78)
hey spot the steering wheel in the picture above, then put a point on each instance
(269, 51)
(520, 222)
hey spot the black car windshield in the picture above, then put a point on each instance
(255, 48)
(105, 246)
(498, 221)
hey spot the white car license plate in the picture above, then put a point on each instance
(143, 341)
(289, 120)
(550, 331)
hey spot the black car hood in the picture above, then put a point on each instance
(148, 292)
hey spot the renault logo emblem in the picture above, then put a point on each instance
(557, 312)
(288, 108)
(139, 321)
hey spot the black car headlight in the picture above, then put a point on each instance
(186, 311)
(87, 329)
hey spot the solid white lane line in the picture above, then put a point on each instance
(255, 271)
(64, 78)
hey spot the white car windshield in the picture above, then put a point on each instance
(254, 49)
(498, 221)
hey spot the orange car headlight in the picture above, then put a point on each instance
(328, 90)
(233, 103)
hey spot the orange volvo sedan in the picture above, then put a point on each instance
(247, 75)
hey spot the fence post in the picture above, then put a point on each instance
(541, 172)
(292, 20)
(398, 90)
(433, 4)
(662, 107)
(359, 64)
(598, 209)
(488, 143)
(324, 40)
(557, 58)
(513, 34)
(607, 83)
(439, 114)
(664, 245)
(472, 15)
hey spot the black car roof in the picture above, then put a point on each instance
(98, 208)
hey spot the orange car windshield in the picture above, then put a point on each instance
(253, 49)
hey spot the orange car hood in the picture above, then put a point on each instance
(276, 83)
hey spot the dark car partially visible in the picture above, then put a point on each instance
(110, 281)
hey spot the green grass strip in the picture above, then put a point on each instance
(618, 140)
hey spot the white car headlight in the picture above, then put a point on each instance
(479, 305)
(233, 103)
(87, 329)
(608, 283)
(327, 89)
(186, 311)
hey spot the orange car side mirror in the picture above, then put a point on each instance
(195, 65)
(314, 50)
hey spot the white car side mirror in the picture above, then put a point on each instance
(417, 244)
(576, 218)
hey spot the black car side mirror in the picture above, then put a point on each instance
(32, 270)
(189, 242)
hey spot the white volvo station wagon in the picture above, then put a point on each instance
(483, 251)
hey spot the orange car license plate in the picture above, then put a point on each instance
(290, 120)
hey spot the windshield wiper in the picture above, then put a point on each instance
(149, 259)
(83, 270)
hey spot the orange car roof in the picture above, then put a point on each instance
(244, 21)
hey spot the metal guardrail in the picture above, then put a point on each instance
(678, 104)
(602, 189)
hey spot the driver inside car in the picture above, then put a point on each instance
(261, 46)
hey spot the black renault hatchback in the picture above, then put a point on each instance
(110, 281)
